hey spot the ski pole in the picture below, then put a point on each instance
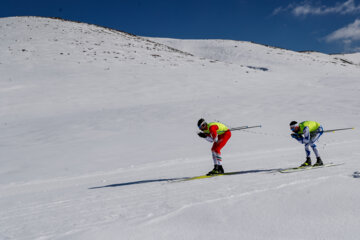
(338, 129)
(242, 128)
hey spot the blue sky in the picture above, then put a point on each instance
(329, 26)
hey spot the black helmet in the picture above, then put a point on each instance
(201, 122)
(292, 123)
(294, 126)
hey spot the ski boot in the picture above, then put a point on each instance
(221, 169)
(319, 162)
(307, 163)
(214, 171)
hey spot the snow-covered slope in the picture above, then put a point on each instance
(247, 53)
(95, 122)
(350, 58)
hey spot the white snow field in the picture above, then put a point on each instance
(96, 125)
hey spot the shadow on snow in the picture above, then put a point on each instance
(181, 179)
(137, 182)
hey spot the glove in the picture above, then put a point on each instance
(202, 135)
(295, 136)
(298, 137)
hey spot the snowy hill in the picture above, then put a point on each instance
(352, 58)
(94, 123)
(248, 53)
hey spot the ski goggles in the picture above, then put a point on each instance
(202, 125)
(293, 127)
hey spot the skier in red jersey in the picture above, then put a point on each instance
(218, 134)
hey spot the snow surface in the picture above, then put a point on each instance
(96, 123)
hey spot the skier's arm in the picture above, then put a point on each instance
(206, 136)
(213, 132)
(306, 138)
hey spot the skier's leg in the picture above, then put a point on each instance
(223, 139)
(314, 148)
(216, 149)
(308, 159)
(217, 146)
(217, 162)
(307, 150)
(315, 138)
(319, 161)
(214, 156)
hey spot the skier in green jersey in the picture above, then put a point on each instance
(307, 133)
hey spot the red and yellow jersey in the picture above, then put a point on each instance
(216, 128)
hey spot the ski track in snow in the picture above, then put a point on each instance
(237, 197)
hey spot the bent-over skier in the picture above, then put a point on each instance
(218, 134)
(307, 133)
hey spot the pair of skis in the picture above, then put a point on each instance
(284, 170)
(210, 176)
(297, 169)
